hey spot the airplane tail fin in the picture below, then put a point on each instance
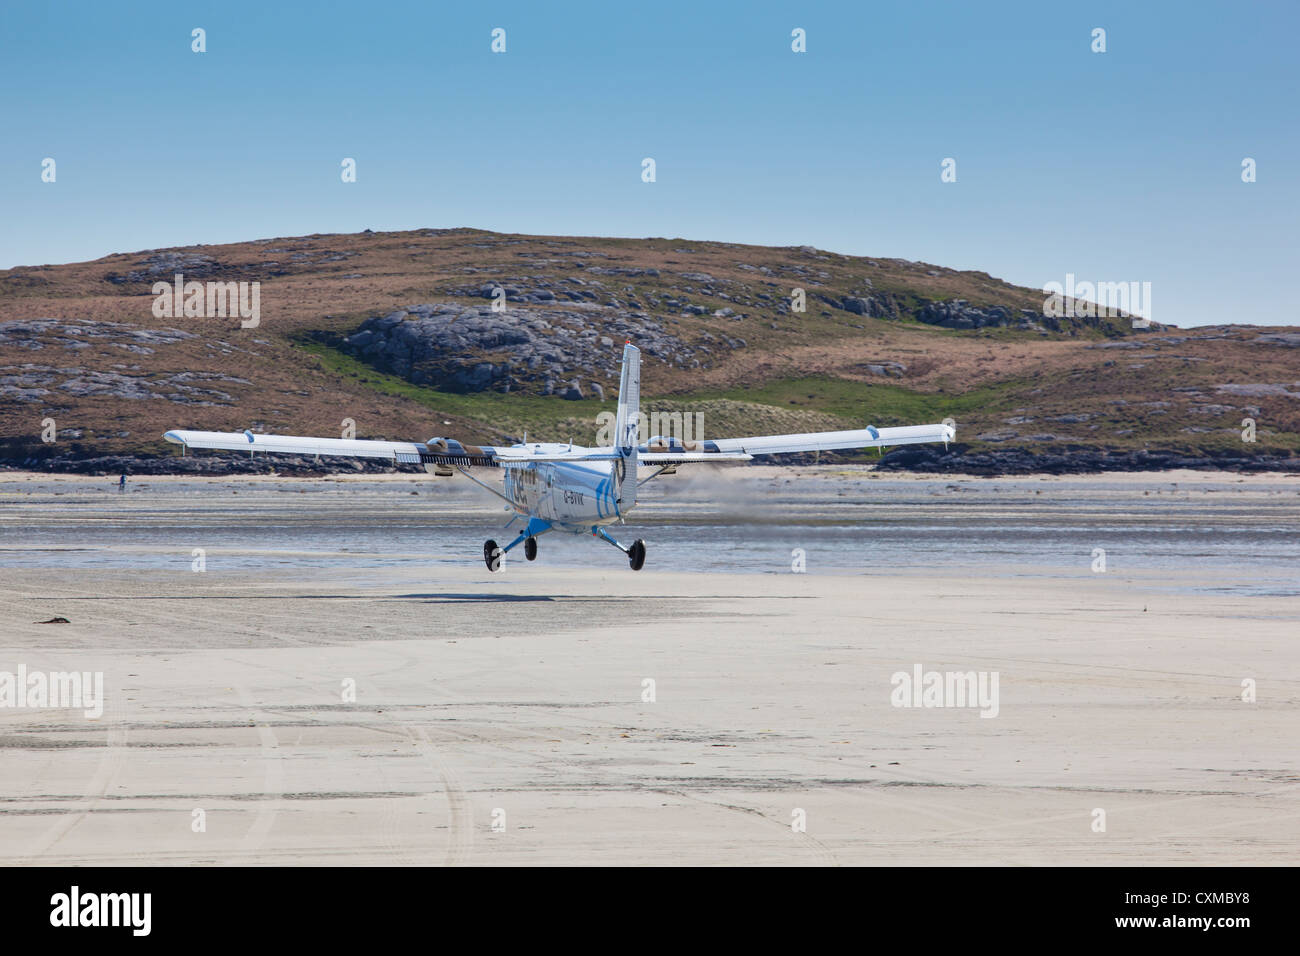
(626, 427)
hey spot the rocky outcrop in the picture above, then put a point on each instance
(55, 378)
(164, 265)
(876, 306)
(959, 314)
(1288, 339)
(73, 335)
(43, 383)
(886, 369)
(471, 349)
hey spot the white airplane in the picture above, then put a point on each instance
(559, 487)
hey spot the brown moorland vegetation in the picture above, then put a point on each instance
(882, 341)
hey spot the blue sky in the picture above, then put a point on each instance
(1122, 166)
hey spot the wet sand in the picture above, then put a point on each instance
(520, 699)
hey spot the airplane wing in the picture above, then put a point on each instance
(448, 451)
(686, 457)
(516, 457)
(869, 437)
(442, 451)
(660, 458)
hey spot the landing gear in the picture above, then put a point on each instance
(635, 552)
(493, 556)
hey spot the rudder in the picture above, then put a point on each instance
(626, 427)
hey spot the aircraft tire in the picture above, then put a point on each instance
(492, 555)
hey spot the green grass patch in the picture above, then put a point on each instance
(543, 416)
(555, 419)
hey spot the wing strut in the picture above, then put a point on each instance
(668, 467)
(461, 469)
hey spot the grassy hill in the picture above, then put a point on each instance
(882, 341)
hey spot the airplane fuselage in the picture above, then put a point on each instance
(572, 496)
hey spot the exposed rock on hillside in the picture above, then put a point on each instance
(36, 334)
(165, 265)
(542, 350)
(958, 314)
(41, 383)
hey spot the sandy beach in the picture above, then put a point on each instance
(292, 710)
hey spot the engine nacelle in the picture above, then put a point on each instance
(661, 444)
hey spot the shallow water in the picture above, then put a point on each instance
(1221, 533)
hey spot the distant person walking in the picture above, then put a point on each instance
(121, 483)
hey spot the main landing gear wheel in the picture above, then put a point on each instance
(530, 549)
(492, 555)
(636, 554)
